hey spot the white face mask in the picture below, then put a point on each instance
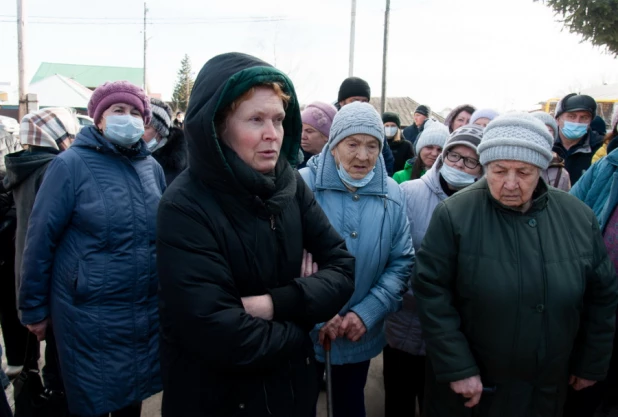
(390, 131)
(456, 178)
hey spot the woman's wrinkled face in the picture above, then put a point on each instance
(255, 130)
(512, 183)
(429, 154)
(462, 119)
(312, 140)
(357, 154)
(462, 153)
(118, 109)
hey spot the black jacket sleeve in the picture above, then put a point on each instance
(200, 306)
(319, 297)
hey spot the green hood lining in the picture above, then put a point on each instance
(241, 82)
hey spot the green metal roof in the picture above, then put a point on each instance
(90, 76)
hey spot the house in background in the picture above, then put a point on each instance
(90, 76)
(404, 106)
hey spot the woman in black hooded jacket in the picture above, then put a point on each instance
(235, 309)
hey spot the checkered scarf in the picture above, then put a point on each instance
(54, 128)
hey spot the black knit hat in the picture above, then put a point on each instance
(576, 102)
(354, 87)
(423, 109)
(389, 116)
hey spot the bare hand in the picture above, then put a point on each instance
(259, 306)
(38, 329)
(308, 267)
(580, 383)
(471, 388)
(352, 327)
(330, 329)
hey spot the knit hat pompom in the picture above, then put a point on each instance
(490, 114)
(115, 92)
(320, 116)
(433, 134)
(161, 119)
(354, 119)
(517, 137)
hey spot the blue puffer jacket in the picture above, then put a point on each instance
(598, 188)
(375, 227)
(89, 264)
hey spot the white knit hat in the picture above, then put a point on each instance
(434, 134)
(516, 137)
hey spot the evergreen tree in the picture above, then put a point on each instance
(595, 20)
(184, 85)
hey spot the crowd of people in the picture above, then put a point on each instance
(221, 255)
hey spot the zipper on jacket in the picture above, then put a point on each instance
(272, 222)
(266, 398)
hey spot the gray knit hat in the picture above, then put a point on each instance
(433, 133)
(468, 135)
(161, 117)
(516, 137)
(548, 120)
(356, 118)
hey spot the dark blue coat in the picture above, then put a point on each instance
(89, 264)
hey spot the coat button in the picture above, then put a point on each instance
(540, 308)
(354, 235)
(532, 222)
(356, 197)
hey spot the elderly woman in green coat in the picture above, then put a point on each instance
(516, 293)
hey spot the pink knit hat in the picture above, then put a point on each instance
(320, 116)
(118, 92)
(615, 118)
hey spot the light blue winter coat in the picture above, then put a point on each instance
(373, 223)
(89, 264)
(598, 188)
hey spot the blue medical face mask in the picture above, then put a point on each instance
(152, 144)
(347, 179)
(574, 131)
(123, 130)
(456, 178)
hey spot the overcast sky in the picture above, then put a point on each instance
(506, 54)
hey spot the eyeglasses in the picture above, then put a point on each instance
(470, 163)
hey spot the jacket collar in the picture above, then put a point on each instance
(90, 137)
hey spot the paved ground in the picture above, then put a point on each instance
(374, 394)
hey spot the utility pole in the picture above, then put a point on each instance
(385, 53)
(352, 35)
(21, 58)
(145, 47)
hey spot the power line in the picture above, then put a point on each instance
(135, 21)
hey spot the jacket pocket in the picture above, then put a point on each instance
(80, 281)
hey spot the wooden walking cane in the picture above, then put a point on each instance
(329, 382)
